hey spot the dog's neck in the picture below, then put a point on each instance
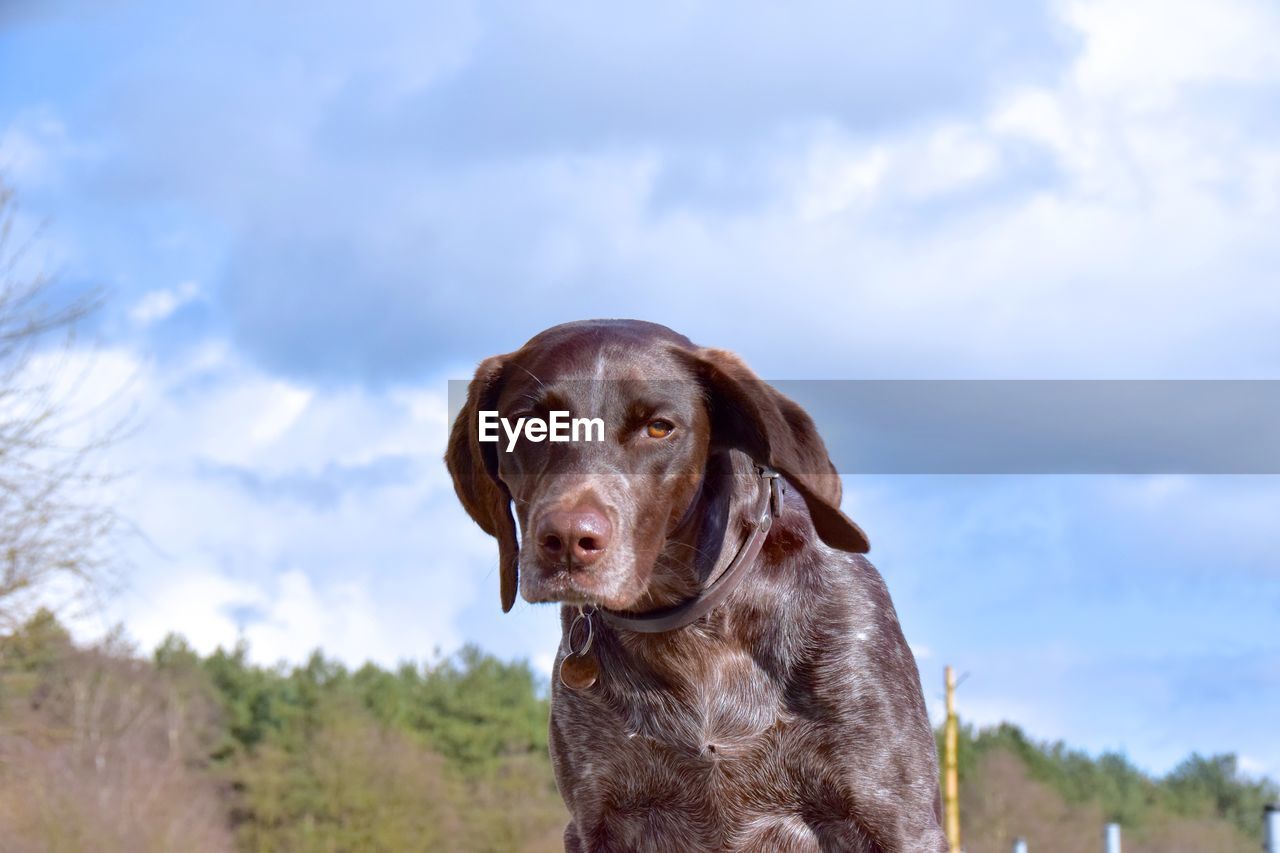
(712, 539)
(711, 533)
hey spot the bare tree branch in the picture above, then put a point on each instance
(56, 530)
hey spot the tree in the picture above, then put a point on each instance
(1215, 786)
(55, 532)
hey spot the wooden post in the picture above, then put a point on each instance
(951, 789)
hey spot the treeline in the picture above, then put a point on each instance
(1059, 798)
(103, 750)
(106, 750)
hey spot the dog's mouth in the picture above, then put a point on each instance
(568, 584)
(556, 585)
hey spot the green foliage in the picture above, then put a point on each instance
(448, 755)
(422, 757)
(473, 709)
(40, 642)
(38, 646)
(1215, 787)
(1199, 787)
(445, 755)
(257, 702)
(478, 709)
(356, 786)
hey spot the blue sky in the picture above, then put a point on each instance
(308, 218)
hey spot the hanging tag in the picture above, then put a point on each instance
(579, 670)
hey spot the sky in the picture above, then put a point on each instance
(307, 218)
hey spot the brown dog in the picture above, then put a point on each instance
(732, 675)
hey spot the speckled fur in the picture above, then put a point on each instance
(788, 719)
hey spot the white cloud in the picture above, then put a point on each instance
(1144, 50)
(196, 602)
(1251, 766)
(284, 617)
(234, 479)
(299, 618)
(282, 410)
(1102, 223)
(32, 147)
(158, 305)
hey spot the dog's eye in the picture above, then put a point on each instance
(659, 428)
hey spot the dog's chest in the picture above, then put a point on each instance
(717, 750)
(720, 706)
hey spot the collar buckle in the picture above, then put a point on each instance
(776, 489)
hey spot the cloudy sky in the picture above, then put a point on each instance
(308, 219)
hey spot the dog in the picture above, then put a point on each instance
(731, 674)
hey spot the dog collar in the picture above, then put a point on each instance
(768, 506)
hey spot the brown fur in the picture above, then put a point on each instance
(789, 718)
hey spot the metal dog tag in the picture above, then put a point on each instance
(579, 672)
(580, 669)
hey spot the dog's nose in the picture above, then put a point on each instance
(579, 535)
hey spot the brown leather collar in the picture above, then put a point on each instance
(768, 506)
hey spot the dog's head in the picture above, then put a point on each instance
(596, 514)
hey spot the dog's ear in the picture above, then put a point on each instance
(750, 415)
(474, 468)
